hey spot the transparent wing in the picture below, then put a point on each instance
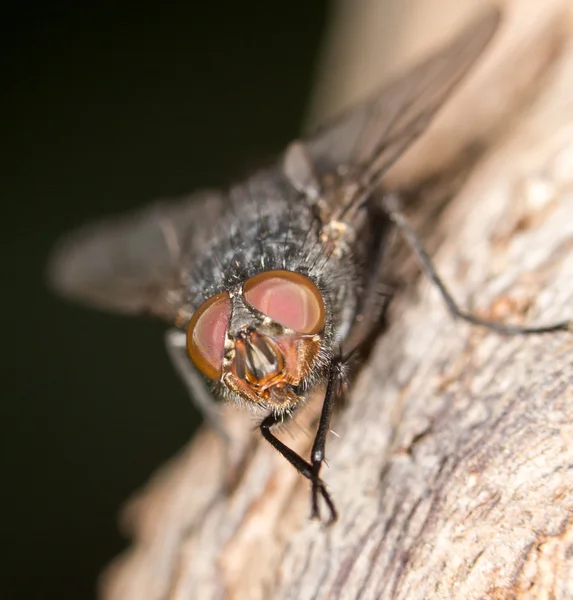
(373, 134)
(139, 263)
(136, 263)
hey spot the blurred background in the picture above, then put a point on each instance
(105, 106)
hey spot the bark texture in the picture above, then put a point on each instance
(453, 465)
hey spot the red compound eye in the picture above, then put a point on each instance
(206, 334)
(288, 298)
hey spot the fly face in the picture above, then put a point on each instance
(273, 285)
(261, 340)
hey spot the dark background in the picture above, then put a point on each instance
(105, 106)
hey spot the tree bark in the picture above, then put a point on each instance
(452, 467)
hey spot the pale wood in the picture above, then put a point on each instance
(453, 469)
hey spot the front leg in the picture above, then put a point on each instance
(317, 454)
(303, 467)
(312, 470)
(176, 344)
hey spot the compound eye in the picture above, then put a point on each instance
(206, 334)
(288, 298)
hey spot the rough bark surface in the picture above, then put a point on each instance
(453, 464)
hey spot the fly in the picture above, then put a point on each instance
(274, 284)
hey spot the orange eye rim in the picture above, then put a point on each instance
(205, 356)
(306, 288)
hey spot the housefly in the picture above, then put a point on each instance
(272, 285)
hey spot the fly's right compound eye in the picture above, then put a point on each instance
(206, 335)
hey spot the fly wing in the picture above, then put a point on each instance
(140, 263)
(373, 134)
(136, 263)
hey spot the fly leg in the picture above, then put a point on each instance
(377, 295)
(391, 207)
(176, 344)
(317, 454)
(311, 470)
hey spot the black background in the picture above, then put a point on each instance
(105, 106)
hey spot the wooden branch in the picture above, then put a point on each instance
(453, 465)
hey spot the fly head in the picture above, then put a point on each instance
(262, 341)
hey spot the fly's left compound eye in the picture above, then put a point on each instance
(206, 334)
(288, 298)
